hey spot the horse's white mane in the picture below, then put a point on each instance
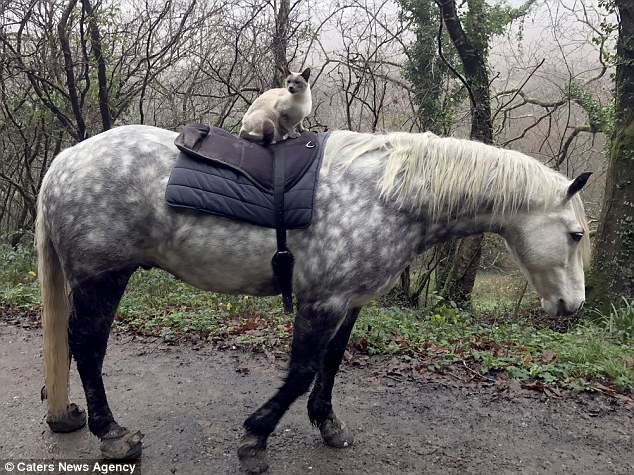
(448, 176)
(451, 175)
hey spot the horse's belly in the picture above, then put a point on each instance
(220, 255)
(225, 280)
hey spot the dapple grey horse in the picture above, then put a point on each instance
(380, 201)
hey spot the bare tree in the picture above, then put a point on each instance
(280, 43)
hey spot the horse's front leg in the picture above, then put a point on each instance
(320, 412)
(314, 327)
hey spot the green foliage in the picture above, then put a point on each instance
(18, 277)
(435, 95)
(601, 117)
(607, 29)
(483, 21)
(575, 359)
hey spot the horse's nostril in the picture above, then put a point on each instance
(561, 308)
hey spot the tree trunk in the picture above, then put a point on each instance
(71, 83)
(612, 273)
(464, 267)
(280, 44)
(102, 79)
(461, 278)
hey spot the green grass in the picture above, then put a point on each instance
(489, 338)
(156, 303)
(495, 293)
(620, 321)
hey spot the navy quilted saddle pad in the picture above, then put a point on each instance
(221, 174)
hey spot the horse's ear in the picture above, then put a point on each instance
(306, 74)
(577, 184)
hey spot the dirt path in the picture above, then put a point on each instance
(191, 402)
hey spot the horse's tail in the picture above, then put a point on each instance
(55, 316)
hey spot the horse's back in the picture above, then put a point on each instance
(125, 147)
(102, 199)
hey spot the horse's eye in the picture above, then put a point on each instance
(576, 236)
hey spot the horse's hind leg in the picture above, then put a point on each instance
(94, 303)
(320, 412)
(314, 327)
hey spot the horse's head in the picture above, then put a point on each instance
(551, 247)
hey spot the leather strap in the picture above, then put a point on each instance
(283, 260)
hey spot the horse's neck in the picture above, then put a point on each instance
(442, 230)
(471, 215)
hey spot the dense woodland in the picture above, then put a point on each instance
(545, 77)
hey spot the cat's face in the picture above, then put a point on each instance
(297, 82)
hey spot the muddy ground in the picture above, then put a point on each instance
(190, 402)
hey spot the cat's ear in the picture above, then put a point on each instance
(306, 74)
(286, 71)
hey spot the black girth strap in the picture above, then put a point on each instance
(283, 259)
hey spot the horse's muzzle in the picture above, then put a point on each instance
(564, 311)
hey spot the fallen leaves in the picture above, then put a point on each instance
(548, 356)
(550, 391)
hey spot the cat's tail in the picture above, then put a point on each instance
(268, 132)
(264, 137)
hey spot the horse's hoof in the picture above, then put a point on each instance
(73, 419)
(335, 433)
(252, 453)
(120, 444)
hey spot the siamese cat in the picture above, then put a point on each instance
(278, 113)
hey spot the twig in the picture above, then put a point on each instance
(394, 378)
(519, 89)
(479, 375)
(519, 301)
